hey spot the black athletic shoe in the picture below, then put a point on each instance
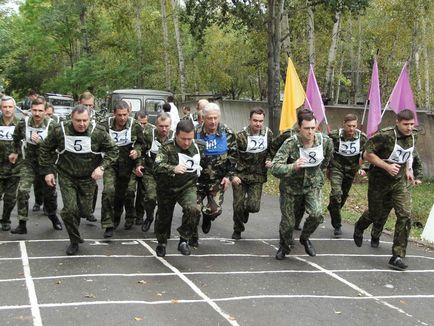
(358, 237)
(21, 228)
(56, 222)
(146, 224)
(337, 232)
(161, 250)
(72, 249)
(108, 233)
(280, 254)
(308, 247)
(396, 263)
(36, 208)
(6, 227)
(236, 235)
(206, 224)
(184, 248)
(193, 242)
(91, 218)
(375, 242)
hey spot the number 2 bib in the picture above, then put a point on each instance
(191, 162)
(400, 155)
(349, 147)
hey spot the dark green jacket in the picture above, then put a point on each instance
(74, 165)
(7, 147)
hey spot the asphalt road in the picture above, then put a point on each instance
(223, 282)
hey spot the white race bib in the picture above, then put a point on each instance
(121, 138)
(6, 133)
(256, 144)
(191, 162)
(78, 144)
(400, 155)
(313, 156)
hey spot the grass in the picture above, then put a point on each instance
(357, 202)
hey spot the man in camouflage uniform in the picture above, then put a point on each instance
(218, 166)
(348, 143)
(197, 117)
(389, 152)
(176, 170)
(253, 160)
(378, 225)
(9, 173)
(127, 134)
(29, 133)
(136, 182)
(80, 145)
(153, 139)
(299, 165)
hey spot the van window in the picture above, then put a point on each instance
(154, 105)
(136, 104)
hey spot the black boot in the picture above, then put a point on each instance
(147, 224)
(56, 223)
(21, 228)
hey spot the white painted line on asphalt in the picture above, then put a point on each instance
(284, 271)
(89, 256)
(193, 286)
(353, 286)
(226, 299)
(36, 314)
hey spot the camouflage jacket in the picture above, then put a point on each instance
(8, 169)
(76, 165)
(251, 166)
(148, 157)
(305, 179)
(124, 164)
(164, 167)
(279, 140)
(382, 144)
(30, 151)
(217, 166)
(346, 163)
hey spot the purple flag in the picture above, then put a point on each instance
(314, 99)
(374, 114)
(402, 95)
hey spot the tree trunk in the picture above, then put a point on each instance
(357, 85)
(86, 43)
(179, 48)
(275, 9)
(352, 89)
(332, 53)
(338, 91)
(165, 44)
(426, 64)
(311, 33)
(286, 36)
(139, 39)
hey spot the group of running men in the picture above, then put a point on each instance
(147, 169)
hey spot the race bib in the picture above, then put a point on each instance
(41, 132)
(192, 163)
(256, 144)
(6, 132)
(400, 155)
(349, 148)
(78, 144)
(121, 138)
(313, 156)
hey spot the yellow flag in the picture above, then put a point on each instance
(293, 98)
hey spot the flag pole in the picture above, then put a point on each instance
(364, 114)
(325, 117)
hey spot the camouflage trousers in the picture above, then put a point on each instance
(8, 189)
(190, 213)
(340, 183)
(289, 205)
(77, 197)
(28, 175)
(384, 195)
(246, 199)
(38, 190)
(146, 198)
(108, 199)
(213, 191)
